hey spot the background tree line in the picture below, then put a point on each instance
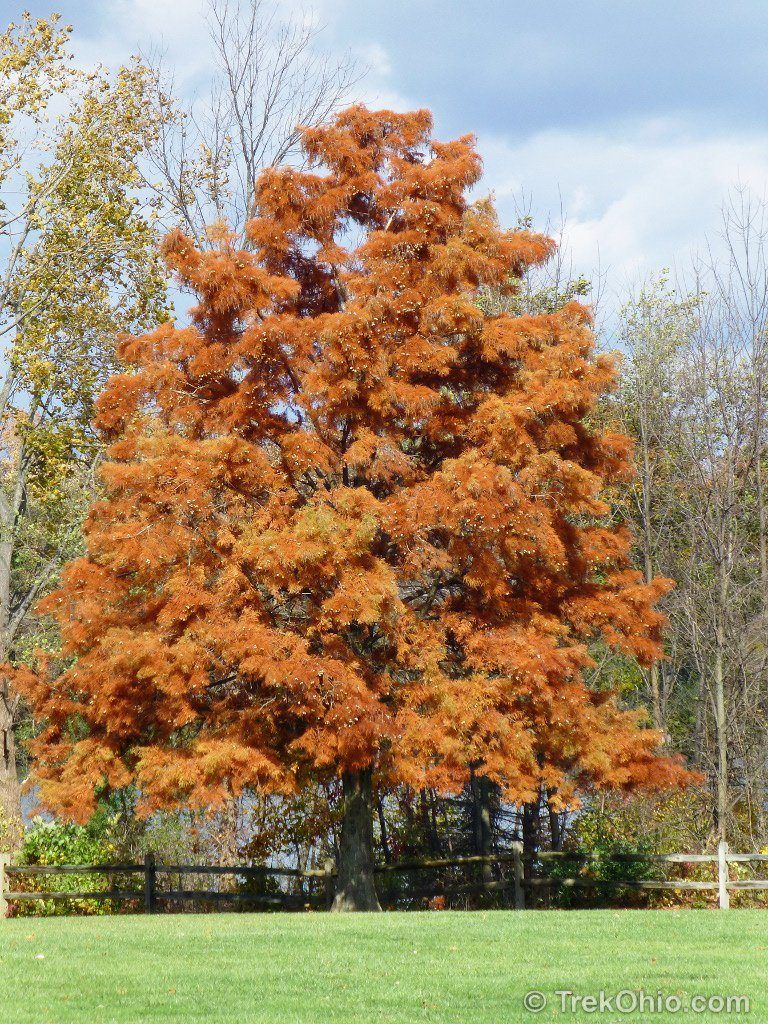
(693, 395)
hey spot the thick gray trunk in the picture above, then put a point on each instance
(10, 790)
(355, 888)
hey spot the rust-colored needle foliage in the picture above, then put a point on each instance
(351, 521)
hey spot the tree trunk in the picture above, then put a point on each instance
(531, 831)
(383, 829)
(721, 813)
(725, 565)
(10, 790)
(431, 836)
(555, 828)
(355, 889)
(762, 529)
(227, 842)
(482, 791)
(646, 479)
(652, 671)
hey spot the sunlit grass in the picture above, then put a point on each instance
(399, 968)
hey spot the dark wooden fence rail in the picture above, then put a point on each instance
(146, 890)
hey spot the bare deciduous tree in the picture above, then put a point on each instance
(270, 77)
(694, 393)
(652, 327)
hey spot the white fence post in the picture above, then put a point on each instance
(5, 860)
(517, 865)
(722, 875)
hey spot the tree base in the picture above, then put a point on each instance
(344, 902)
(355, 888)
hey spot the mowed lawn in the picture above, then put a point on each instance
(438, 967)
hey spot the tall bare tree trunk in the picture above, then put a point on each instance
(646, 483)
(722, 747)
(720, 713)
(355, 888)
(762, 525)
(10, 790)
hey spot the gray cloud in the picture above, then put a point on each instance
(518, 66)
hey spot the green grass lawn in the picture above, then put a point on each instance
(442, 966)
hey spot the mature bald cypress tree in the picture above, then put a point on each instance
(353, 525)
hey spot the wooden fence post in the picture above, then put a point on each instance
(150, 883)
(722, 875)
(517, 865)
(5, 860)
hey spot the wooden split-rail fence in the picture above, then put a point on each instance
(145, 890)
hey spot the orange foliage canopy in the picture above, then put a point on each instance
(351, 520)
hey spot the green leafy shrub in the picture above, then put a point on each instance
(614, 825)
(61, 842)
(606, 837)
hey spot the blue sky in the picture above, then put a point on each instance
(633, 116)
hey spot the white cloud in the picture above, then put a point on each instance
(178, 30)
(636, 199)
(174, 28)
(638, 195)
